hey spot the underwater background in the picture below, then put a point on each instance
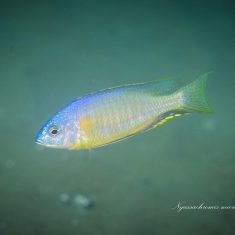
(52, 52)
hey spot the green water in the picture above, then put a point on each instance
(54, 51)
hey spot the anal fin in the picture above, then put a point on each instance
(168, 116)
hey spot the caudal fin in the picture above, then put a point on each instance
(193, 96)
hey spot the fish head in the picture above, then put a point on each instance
(61, 131)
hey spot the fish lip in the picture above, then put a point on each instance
(39, 142)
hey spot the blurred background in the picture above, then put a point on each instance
(52, 52)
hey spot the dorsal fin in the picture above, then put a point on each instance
(161, 87)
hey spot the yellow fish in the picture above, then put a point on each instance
(113, 114)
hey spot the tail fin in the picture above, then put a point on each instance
(193, 96)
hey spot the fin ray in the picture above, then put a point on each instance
(193, 96)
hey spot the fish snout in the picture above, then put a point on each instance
(38, 139)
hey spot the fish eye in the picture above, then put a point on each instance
(54, 130)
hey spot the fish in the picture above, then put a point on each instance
(110, 115)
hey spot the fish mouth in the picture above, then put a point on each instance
(37, 139)
(45, 145)
(39, 142)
